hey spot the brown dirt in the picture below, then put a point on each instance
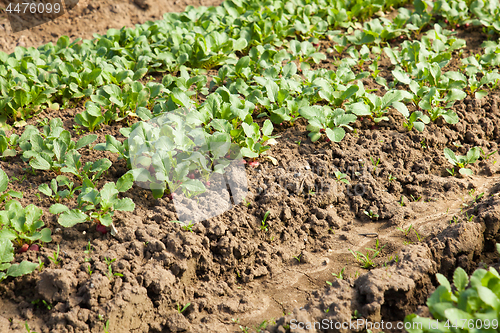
(230, 271)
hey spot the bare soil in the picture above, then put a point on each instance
(236, 275)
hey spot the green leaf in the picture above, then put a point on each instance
(23, 268)
(6, 251)
(39, 163)
(473, 155)
(443, 281)
(419, 126)
(180, 98)
(58, 208)
(93, 109)
(85, 141)
(106, 219)
(450, 156)
(125, 204)
(401, 107)
(125, 182)
(108, 192)
(101, 165)
(480, 94)
(450, 117)
(360, 109)
(488, 297)
(272, 91)
(401, 76)
(239, 44)
(70, 218)
(349, 92)
(267, 128)
(45, 189)
(139, 74)
(46, 235)
(460, 279)
(457, 315)
(4, 181)
(466, 171)
(336, 134)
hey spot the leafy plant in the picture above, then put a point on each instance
(371, 214)
(264, 226)
(48, 150)
(97, 206)
(462, 161)
(341, 177)
(110, 273)
(471, 303)
(8, 144)
(366, 261)
(7, 256)
(22, 225)
(55, 257)
(4, 183)
(322, 120)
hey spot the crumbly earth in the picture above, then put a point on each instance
(233, 273)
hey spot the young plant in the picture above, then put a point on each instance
(486, 156)
(8, 144)
(366, 261)
(462, 161)
(7, 256)
(52, 191)
(371, 214)
(55, 257)
(97, 206)
(91, 170)
(47, 150)
(23, 225)
(341, 177)
(458, 309)
(405, 231)
(181, 309)
(187, 227)
(375, 163)
(322, 120)
(4, 184)
(340, 275)
(264, 226)
(416, 119)
(110, 273)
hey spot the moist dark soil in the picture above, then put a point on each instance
(235, 274)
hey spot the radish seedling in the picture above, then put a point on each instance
(97, 206)
(371, 214)
(6, 256)
(4, 183)
(462, 161)
(341, 177)
(21, 225)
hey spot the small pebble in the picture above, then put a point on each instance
(308, 167)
